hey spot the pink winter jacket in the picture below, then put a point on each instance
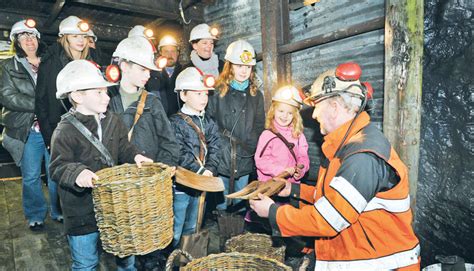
(276, 157)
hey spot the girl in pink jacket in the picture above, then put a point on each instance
(283, 146)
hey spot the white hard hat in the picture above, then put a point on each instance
(288, 95)
(240, 52)
(166, 41)
(90, 33)
(79, 75)
(137, 49)
(192, 79)
(24, 26)
(201, 31)
(73, 25)
(343, 81)
(140, 31)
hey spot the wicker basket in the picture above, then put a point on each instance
(256, 243)
(134, 208)
(227, 261)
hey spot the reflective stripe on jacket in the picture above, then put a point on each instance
(362, 224)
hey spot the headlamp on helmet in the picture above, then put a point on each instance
(167, 41)
(162, 61)
(193, 79)
(214, 31)
(148, 33)
(30, 23)
(344, 80)
(289, 95)
(209, 80)
(83, 26)
(112, 73)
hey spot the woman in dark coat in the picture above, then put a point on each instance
(21, 134)
(72, 45)
(237, 107)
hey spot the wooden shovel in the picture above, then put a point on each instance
(197, 243)
(268, 188)
(199, 182)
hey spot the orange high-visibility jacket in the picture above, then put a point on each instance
(351, 231)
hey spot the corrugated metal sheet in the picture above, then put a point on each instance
(241, 19)
(238, 19)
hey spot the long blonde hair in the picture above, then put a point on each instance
(296, 123)
(227, 75)
(65, 44)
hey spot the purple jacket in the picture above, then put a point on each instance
(277, 157)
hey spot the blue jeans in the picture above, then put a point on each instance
(238, 185)
(185, 209)
(35, 206)
(85, 253)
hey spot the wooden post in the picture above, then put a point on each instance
(274, 16)
(403, 75)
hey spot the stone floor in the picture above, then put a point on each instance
(22, 249)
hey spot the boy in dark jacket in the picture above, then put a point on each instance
(151, 132)
(74, 158)
(143, 114)
(198, 136)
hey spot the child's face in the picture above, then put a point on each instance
(92, 101)
(241, 72)
(284, 114)
(204, 48)
(77, 43)
(196, 100)
(135, 74)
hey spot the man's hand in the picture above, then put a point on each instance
(207, 173)
(261, 206)
(285, 192)
(139, 159)
(84, 179)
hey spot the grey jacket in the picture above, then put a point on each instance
(17, 95)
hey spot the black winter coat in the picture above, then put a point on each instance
(188, 140)
(71, 153)
(245, 128)
(17, 95)
(152, 134)
(49, 109)
(162, 85)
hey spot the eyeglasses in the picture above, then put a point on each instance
(25, 36)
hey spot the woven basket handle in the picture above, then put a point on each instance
(173, 255)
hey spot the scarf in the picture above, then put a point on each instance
(210, 66)
(240, 86)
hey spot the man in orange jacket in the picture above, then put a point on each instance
(359, 211)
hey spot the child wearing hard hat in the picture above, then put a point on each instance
(72, 45)
(198, 136)
(75, 158)
(202, 38)
(283, 146)
(143, 114)
(238, 108)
